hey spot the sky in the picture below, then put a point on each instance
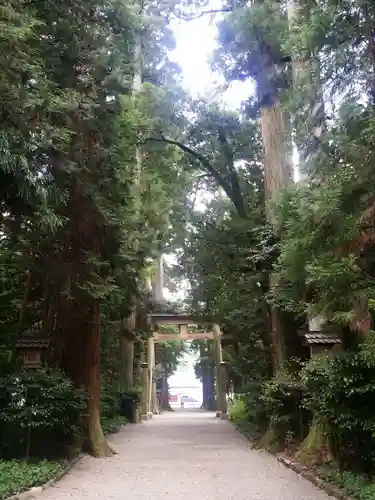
(195, 42)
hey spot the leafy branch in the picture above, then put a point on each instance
(230, 185)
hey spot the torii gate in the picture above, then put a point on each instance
(183, 321)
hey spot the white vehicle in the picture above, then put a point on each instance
(189, 402)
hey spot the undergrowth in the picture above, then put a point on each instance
(239, 415)
(19, 475)
(113, 424)
(357, 486)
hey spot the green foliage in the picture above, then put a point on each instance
(110, 402)
(79, 222)
(38, 407)
(255, 408)
(17, 476)
(237, 412)
(249, 413)
(340, 393)
(250, 46)
(283, 397)
(113, 424)
(358, 486)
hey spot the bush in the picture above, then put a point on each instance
(39, 412)
(112, 425)
(117, 407)
(110, 402)
(255, 408)
(359, 487)
(237, 412)
(17, 476)
(129, 404)
(283, 398)
(341, 392)
(248, 411)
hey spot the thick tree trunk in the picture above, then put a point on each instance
(164, 399)
(82, 363)
(158, 285)
(155, 404)
(127, 362)
(138, 366)
(278, 173)
(278, 168)
(207, 388)
(127, 351)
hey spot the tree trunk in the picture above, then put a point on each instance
(278, 168)
(207, 379)
(82, 363)
(158, 285)
(127, 351)
(155, 405)
(138, 366)
(164, 399)
(206, 385)
(208, 393)
(277, 175)
(127, 362)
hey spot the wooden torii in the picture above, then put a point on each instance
(183, 321)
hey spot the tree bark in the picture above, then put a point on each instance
(155, 405)
(82, 364)
(278, 168)
(278, 172)
(127, 362)
(165, 390)
(158, 285)
(129, 324)
(127, 351)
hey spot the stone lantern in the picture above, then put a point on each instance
(319, 341)
(33, 348)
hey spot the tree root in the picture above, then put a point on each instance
(271, 440)
(314, 448)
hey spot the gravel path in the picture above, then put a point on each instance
(183, 455)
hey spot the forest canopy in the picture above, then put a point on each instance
(108, 166)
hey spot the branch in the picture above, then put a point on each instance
(236, 189)
(187, 17)
(202, 160)
(232, 189)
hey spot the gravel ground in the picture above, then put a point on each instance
(183, 455)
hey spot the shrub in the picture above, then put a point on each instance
(17, 476)
(248, 411)
(341, 392)
(110, 401)
(255, 408)
(39, 411)
(112, 425)
(130, 402)
(237, 412)
(359, 487)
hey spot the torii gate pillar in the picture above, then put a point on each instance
(151, 368)
(221, 376)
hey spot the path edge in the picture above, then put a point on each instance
(300, 469)
(35, 491)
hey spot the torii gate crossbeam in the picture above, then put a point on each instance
(183, 320)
